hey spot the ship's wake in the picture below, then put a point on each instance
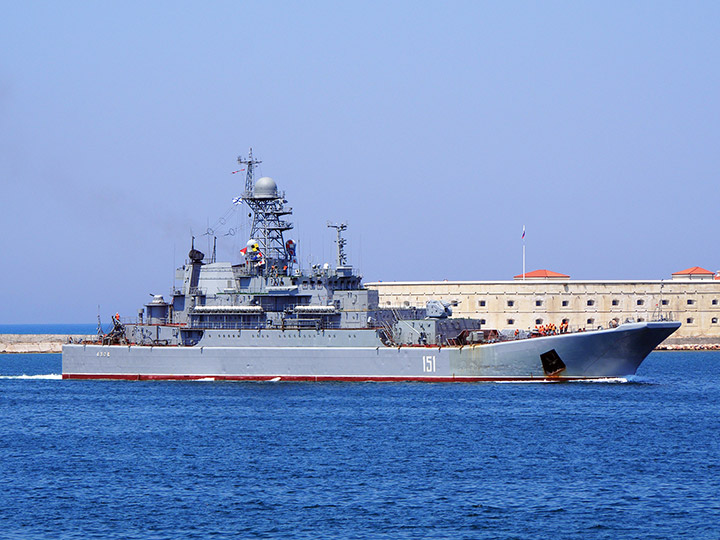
(44, 377)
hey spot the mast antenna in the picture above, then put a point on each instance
(339, 228)
(250, 163)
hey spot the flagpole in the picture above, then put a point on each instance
(523, 239)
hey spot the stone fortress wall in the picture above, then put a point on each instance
(693, 299)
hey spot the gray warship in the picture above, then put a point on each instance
(263, 318)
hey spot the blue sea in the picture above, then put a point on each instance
(166, 460)
(78, 329)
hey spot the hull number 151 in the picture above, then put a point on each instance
(429, 364)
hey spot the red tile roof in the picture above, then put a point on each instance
(694, 271)
(542, 274)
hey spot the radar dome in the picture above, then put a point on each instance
(265, 188)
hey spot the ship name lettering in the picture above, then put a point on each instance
(103, 353)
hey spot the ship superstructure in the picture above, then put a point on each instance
(263, 317)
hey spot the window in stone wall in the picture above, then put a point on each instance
(565, 303)
(591, 302)
(615, 302)
(538, 321)
(511, 303)
(481, 303)
(640, 319)
(689, 320)
(538, 302)
(714, 302)
(591, 321)
(640, 302)
(511, 321)
(482, 321)
(566, 321)
(714, 320)
(665, 302)
(690, 302)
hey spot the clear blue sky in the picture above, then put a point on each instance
(435, 129)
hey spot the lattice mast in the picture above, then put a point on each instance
(268, 208)
(249, 163)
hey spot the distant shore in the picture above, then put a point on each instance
(37, 343)
(52, 343)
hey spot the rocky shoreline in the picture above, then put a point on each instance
(689, 347)
(37, 343)
(52, 343)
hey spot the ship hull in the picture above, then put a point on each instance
(599, 354)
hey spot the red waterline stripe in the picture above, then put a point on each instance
(311, 378)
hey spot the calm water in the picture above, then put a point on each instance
(50, 328)
(157, 460)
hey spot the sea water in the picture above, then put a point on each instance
(158, 460)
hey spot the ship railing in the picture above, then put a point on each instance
(227, 325)
(294, 324)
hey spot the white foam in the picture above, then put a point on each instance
(613, 380)
(527, 381)
(275, 379)
(47, 377)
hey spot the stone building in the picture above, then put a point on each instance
(691, 296)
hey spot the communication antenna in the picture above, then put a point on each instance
(339, 228)
(250, 163)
